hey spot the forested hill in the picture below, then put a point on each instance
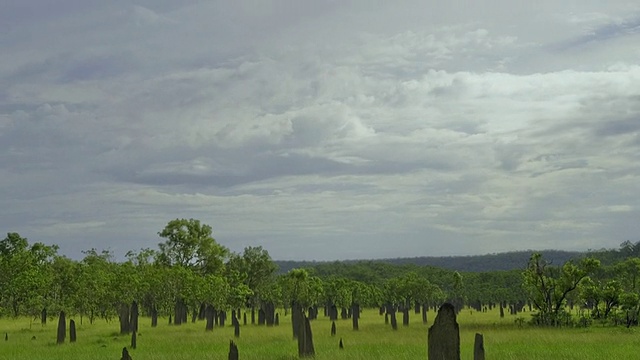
(477, 263)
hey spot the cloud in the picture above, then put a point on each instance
(607, 29)
(340, 130)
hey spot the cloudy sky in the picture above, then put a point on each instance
(322, 129)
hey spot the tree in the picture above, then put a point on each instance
(630, 304)
(64, 292)
(457, 296)
(607, 293)
(236, 277)
(628, 271)
(96, 277)
(301, 291)
(548, 286)
(409, 288)
(127, 288)
(300, 287)
(260, 270)
(149, 278)
(591, 294)
(189, 244)
(25, 274)
(255, 270)
(337, 294)
(361, 294)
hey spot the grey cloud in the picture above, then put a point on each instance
(605, 32)
(510, 156)
(98, 67)
(69, 67)
(260, 169)
(31, 11)
(333, 124)
(615, 127)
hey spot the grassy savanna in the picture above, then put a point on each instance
(375, 340)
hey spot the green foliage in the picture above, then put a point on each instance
(96, 278)
(65, 287)
(409, 288)
(601, 296)
(457, 294)
(301, 288)
(507, 261)
(188, 268)
(338, 291)
(628, 271)
(494, 287)
(26, 275)
(255, 271)
(609, 257)
(549, 286)
(191, 268)
(190, 244)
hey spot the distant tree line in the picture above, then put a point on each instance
(512, 260)
(600, 286)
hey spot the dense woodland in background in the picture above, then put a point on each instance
(515, 260)
(191, 276)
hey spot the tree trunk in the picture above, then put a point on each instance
(154, 317)
(424, 313)
(405, 316)
(177, 313)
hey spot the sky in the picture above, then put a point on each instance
(322, 130)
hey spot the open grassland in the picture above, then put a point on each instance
(504, 339)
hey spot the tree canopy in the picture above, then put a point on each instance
(190, 244)
(190, 270)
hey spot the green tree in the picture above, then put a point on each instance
(236, 276)
(190, 244)
(410, 288)
(64, 293)
(300, 290)
(25, 274)
(97, 275)
(217, 292)
(595, 293)
(148, 275)
(393, 292)
(628, 271)
(630, 304)
(548, 286)
(338, 292)
(255, 270)
(457, 295)
(591, 294)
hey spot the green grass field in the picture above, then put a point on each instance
(375, 340)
